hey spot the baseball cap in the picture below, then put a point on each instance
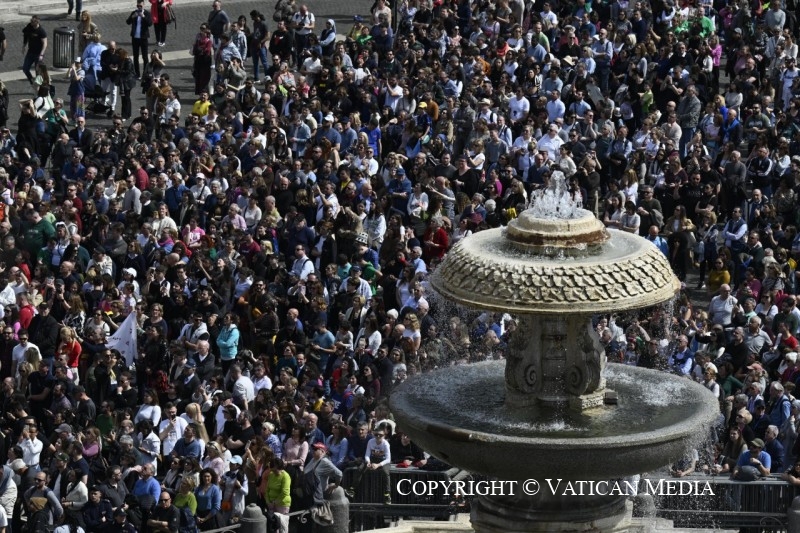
(236, 460)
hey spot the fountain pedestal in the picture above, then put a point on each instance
(549, 513)
(558, 363)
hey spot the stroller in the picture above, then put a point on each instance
(95, 95)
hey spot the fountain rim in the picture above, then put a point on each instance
(687, 428)
(663, 293)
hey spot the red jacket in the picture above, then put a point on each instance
(26, 314)
(157, 9)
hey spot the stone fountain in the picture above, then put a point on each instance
(541, 414)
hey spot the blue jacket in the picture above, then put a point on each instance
(228, 342)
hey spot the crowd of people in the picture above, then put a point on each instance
(273, 238)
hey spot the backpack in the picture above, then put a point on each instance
(282, 11)
(187, 523)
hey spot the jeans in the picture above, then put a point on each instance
(259, 56)
(30, 61)
(686, 137)
(140, 46)
(78, 5)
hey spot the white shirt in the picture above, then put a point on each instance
(518, 107)
(333, 200)
(262, 383)
(303, 267)
(551, 144)
(31, 448)
(175, 433)
(243, 388)
(18, 354)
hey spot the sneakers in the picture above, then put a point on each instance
(161, 45)
(387, 498)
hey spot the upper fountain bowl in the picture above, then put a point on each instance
(555, 265)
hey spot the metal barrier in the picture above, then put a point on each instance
(225, 529)
(761, 504)
(367, 510)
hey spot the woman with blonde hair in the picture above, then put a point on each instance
(87, 30)
(476, 158)
(202, 435)
(70, 347)
(24, 370)
(32, 356)
(214, 459)
(193, 414)
(92, 443)
(185, 498)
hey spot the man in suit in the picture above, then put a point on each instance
(82, 136)
(140, 21)
(188, 383)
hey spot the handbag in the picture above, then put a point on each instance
(169, 15)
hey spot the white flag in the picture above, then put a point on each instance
(124, 340)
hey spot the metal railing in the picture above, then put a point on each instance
(761, 504)
(225, 529)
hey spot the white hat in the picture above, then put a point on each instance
(329, 118)
(131, 271)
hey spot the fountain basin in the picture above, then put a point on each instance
(458, 415)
